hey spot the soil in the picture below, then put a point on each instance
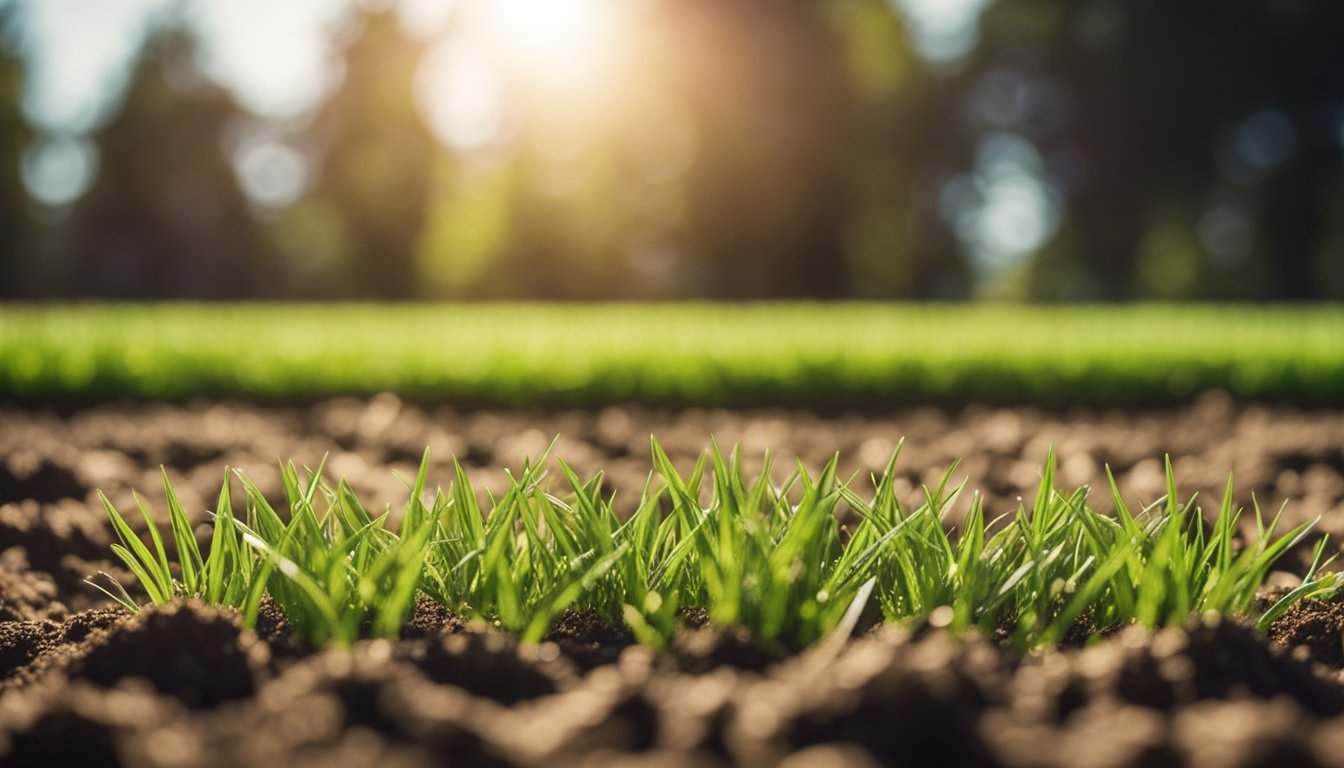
(84, 683)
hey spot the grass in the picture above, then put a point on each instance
(545, 355)
(769, 558)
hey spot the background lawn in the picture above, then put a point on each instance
(583, 355)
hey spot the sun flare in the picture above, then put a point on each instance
(548, 40)
(562, 62)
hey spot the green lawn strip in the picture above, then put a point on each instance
(585, 355)
(768, 558)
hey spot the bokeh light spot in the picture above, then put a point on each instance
(461, 95)
(272, 174)
(276, 57)
(1226, 233)
(942, 31)
(1007, 208)
(57, 170)
(1266, 139)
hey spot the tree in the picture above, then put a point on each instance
(14, 135)
(767, 191)
(165, 217)
(1158, 94)
(378, 159)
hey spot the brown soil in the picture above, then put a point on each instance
(185, 685)
(1316, 628)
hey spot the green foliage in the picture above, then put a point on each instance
(586, 355)
(531, 558)
(752, 557)
(768, 558)
(224, 577)
(339, 574)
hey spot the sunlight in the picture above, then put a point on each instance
(548, 41)
(460, 95)
(556, 61)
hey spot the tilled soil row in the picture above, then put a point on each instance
(185, 685)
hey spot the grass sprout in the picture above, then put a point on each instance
(224, 577)
(770, 558)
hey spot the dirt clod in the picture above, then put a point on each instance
(1317, 626)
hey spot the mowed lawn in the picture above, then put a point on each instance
(583, 355)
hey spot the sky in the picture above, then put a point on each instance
(275, 57)
(272, 55)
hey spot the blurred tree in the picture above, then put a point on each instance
(564, 242)
(1176, 105)
(894, 242)
(165, 217)
(1306, 82)
(378, 160)
(745, 149)
(767, 191)
(467, 231)
(14, 136)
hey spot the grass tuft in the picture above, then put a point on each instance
(770, 558)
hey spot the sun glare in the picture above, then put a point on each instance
(559, 60)
(548, 40)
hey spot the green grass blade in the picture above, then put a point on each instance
(152, 572)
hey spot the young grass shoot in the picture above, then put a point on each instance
(769, 558)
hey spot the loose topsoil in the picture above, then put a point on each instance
(82, 683)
